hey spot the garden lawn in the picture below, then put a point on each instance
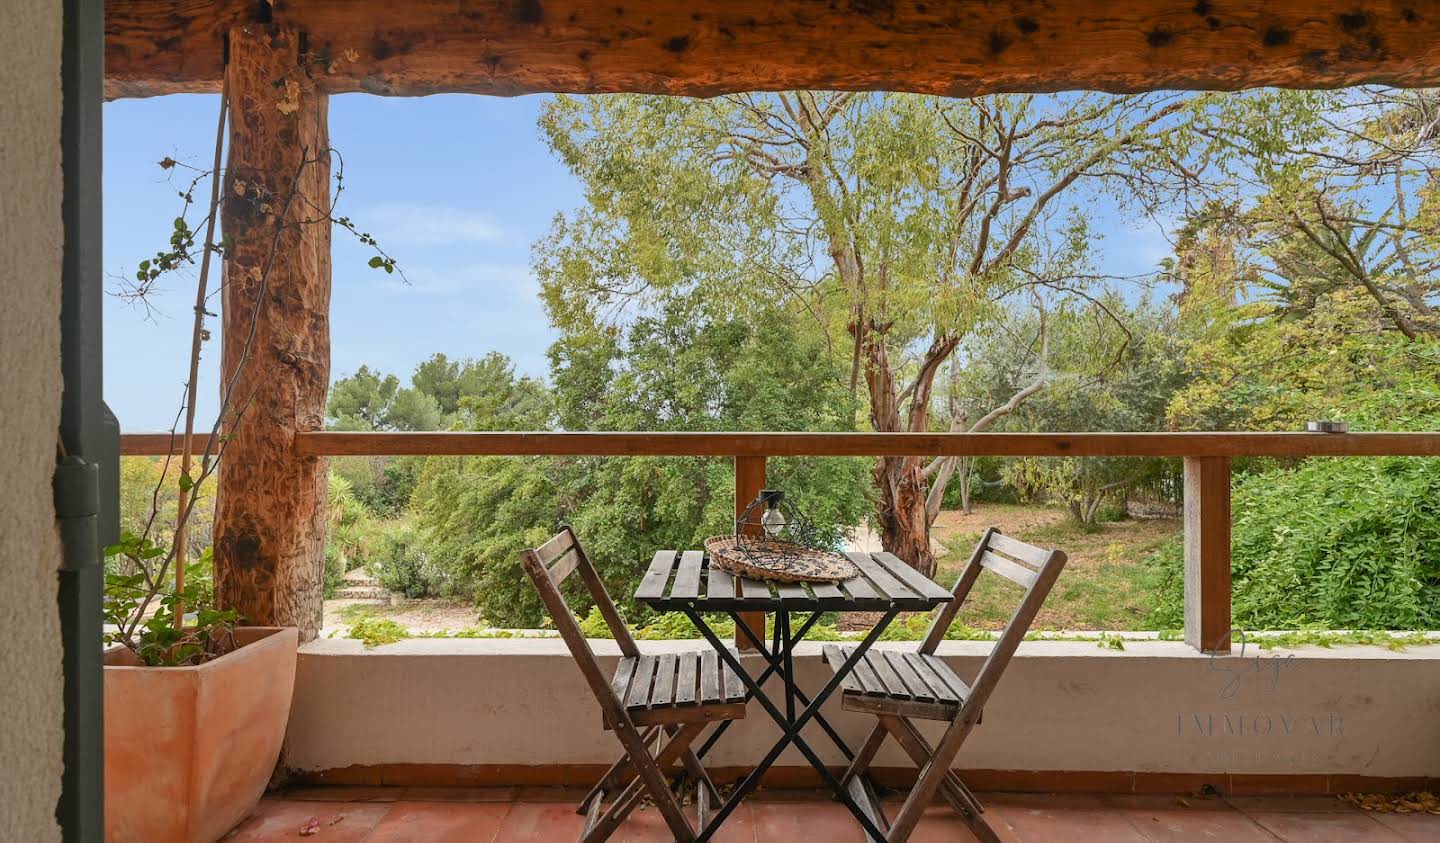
(1104, 585)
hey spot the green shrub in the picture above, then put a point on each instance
(593, 625)
(1343, 544)
(334, 568)
(670, 626)
(399, 562)
(476, 515)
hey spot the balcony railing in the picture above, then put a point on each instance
(1206, 458)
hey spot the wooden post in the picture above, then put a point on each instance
(749, 480)
(275, 357)
(1207, 553)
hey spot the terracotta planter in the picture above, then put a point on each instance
(189, 750)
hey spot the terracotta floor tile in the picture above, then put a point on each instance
(1417, 828)
(1291, 804)
(459, 794)
(781, 822)
(1352, 827)
(788, 794)
(344, 793)
(1172, 819)
(647, 826)
(941, 825)
(540, 821)
(281, 819)
(1158, 801)
(440, 822)
(1061, 818)
(1050, 801)
(463, 814)
(539, 793)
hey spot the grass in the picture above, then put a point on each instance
(1105, 583)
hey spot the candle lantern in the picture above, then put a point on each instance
(774, 540)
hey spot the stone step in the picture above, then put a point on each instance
(364, 579)
(363, 592)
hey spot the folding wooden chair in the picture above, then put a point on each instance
(675, 695)
(900, 687)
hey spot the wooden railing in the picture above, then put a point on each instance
(336, 444)
(1206, 458)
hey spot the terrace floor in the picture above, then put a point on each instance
(491, 815)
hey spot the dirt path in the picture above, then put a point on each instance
(427, 615)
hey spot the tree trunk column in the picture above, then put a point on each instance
(275, 356)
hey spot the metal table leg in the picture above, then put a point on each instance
(774, 664)
(790, 726)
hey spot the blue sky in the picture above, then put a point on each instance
(457, 188)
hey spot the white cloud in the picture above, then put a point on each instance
(428, 225)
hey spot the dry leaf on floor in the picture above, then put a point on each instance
(1397, 803)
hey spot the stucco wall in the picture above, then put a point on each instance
(30, 242)
(1156, 707)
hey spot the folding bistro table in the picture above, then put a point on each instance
(686, 582)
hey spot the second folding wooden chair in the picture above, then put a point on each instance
(899, 687)
(673, 695)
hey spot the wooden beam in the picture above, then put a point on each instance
(749, 481)
(1207, 554)
(710, 47)
(275, 355)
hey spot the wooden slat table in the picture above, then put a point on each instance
(677, 581)
(686, 582)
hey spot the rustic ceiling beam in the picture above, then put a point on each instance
(709, 47)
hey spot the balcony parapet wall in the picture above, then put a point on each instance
(515, 711)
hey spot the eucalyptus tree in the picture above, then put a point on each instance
(899, 223)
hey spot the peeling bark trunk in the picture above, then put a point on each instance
(903, 516)
(904, 521)
(275, 360)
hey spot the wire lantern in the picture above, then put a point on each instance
(774, 540)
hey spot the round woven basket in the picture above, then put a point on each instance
(769, 559)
